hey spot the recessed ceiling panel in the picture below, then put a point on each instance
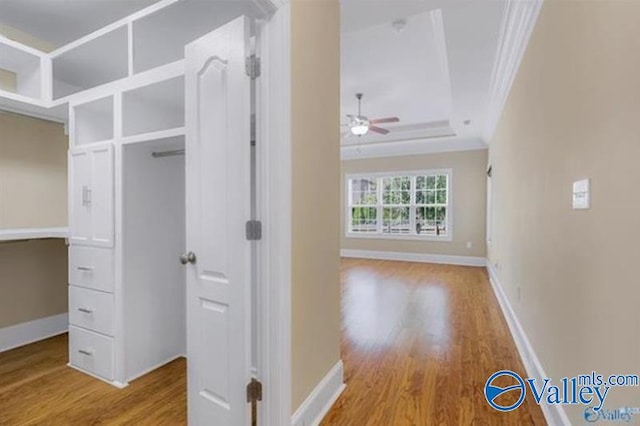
(402, 73)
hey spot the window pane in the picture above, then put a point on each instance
(431, 197)
(441, 197)
(442, 181)
(396, 190)
(364, 191)
(395, 220)
(364, 219)
(431, 220)
(431, 182)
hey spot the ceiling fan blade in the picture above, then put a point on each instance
(378, 130)
(384, 120)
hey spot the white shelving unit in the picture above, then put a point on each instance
(112, 58)
(32, 233)
(153, 108)
(157, 40)
(124, 89)
(25, 74)
(24, 65)
(93, 121)
(100, 60)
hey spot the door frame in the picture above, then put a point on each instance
(273, 172)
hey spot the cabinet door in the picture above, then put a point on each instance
(79, 187)
(102, 195)
(91, 195)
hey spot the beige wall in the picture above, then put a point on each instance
(469, 185)
(8, 80)
(33, 173)
(573, 113)
(33, 193)
(315, 87)
(33, 280)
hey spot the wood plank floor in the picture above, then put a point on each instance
(37, 388)
(419, 342)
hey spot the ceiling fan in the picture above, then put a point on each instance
(360, 125)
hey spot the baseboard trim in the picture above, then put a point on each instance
(113, 383)
(321, 399)
(28, 332)
(555, 415)
(154, 367)
(414, 257)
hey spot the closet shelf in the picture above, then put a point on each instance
(18, 234)
(160, 134)
(20, 104)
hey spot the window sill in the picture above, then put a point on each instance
(445, 238)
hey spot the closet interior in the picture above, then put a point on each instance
(120, 92)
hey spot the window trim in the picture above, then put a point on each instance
(409, 173)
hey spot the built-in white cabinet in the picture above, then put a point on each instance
(92, 352)
(126, 89)
(91, 309)
(91, 195)
(91, 267)
(92, 276)
(126, 283)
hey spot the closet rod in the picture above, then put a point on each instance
(167, 153)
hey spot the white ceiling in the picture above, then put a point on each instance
(433, 75)
(62, 21)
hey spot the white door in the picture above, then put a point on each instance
(218, 206)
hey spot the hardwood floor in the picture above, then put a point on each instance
(37, 388)
(419, 342)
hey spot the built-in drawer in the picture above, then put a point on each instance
(91, 352)
(91, 267)
(91, 309)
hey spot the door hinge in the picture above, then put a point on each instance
(254, 394)
(252, 66)
(254, 391)
(254, 230)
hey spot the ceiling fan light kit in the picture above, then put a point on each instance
(360, 125)
(360, 129)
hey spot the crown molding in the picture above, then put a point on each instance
(519, 19)
(411, 147)
(442, 59)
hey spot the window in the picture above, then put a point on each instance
(400, 205)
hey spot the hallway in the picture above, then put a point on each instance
(419, 342)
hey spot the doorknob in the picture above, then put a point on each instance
(188, 258)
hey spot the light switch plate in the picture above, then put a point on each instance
(581, 194)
